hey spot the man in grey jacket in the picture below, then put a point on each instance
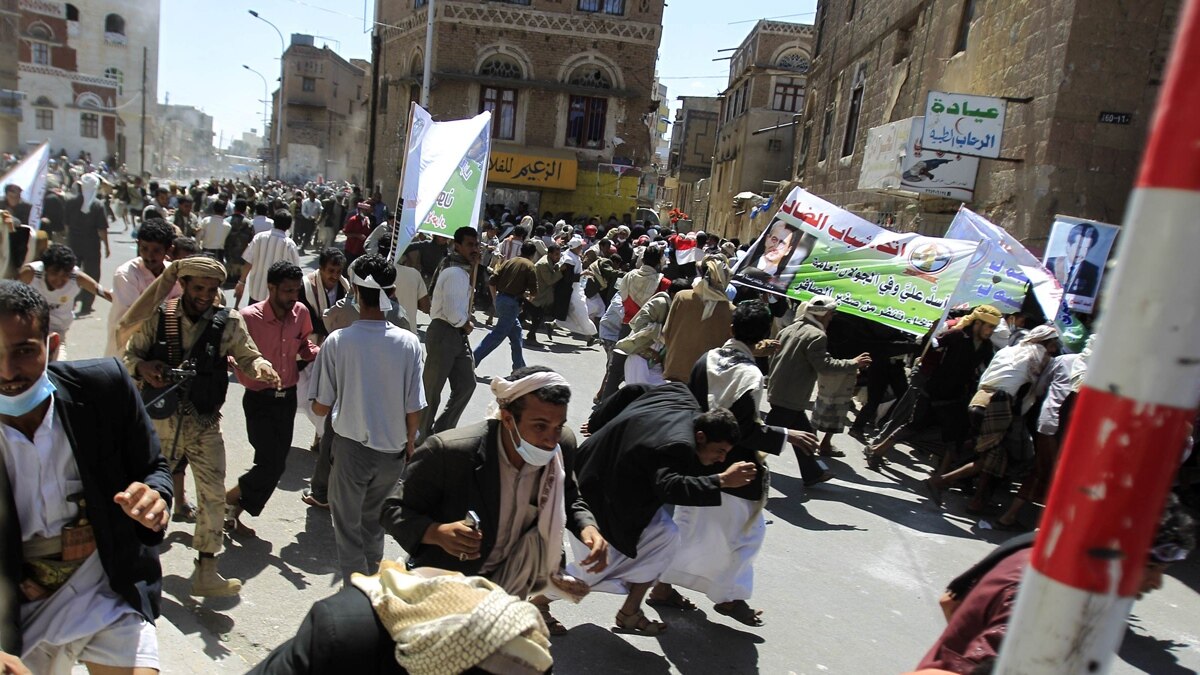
(802, 357)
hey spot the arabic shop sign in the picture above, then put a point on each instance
(894, 159)
(509, 168)
(965, 124)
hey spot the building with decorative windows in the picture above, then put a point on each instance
(81, 74)
(768, 75)
(1081, 79)
(570, 84)
(324, 127)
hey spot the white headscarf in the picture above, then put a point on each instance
(507, 391)
(90, 183)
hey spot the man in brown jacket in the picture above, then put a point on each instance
(801, 358)
(699, 320)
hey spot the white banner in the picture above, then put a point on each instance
(971, 125)
(445, 169)
(1002, 268)
(30, 174)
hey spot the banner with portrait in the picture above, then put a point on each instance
(902, 280)
(1076, 255)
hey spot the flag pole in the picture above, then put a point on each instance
(1126, 436)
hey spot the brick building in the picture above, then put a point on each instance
(766, 90)
(570, 84)
(875, 62)
(690, 157)
(324, 114)
(76, 110)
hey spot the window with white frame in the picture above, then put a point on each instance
(586, 118)
(89, 125)
(117, 76)
(788, 95)
(44, 119)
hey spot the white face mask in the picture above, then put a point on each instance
(529, 452)
(19, 404)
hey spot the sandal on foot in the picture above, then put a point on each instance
(739, 610)
(673, 600)
(637, 624)
(185, 512)
(832, 452)
(553, 625)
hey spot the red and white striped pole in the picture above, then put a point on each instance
(1142, 389)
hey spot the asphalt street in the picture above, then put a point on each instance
(848, 579)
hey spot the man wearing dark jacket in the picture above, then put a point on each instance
(79, 573)
(516, 473)
(642, 455)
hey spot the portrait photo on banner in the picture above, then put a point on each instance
(778, 254)
(1076, 255)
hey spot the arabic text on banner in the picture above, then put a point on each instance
(444, 175)
(1076, 255)
(900, 280)
(1000, 271)
(30, 174)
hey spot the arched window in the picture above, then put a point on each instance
(40, 31)
(114, 23)
(117, 76)
(89, 100)
(592, 76)
(417, 65)
(72, 12)
(501, 66)
(793, 60)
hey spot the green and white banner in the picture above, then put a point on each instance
(445, 169)
(902, 280)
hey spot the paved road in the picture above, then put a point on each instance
(849, 576)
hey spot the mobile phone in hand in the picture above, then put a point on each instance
(472, 520)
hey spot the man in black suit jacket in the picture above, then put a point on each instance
(91, 410)
(497, 469)
(645, 452)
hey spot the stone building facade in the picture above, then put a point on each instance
(325, 114)
(766, 91)
(1072, 60)
(689, 161)
(570, 84)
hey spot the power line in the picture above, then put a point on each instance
(785, 16)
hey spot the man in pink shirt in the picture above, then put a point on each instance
(280, 326)
(134, 277)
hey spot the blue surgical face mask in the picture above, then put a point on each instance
(15, 406)
(532, 454)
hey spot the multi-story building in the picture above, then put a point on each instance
(1081, 77)
(185, 142)
(690, 157)
(570, 84)
(10, 58)
(323, 132)
(766, 90)
(73, 109)
(116, 39)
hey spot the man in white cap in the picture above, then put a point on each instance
(87, 229)
(516, 472)
(367, 377)
(577, 320)
(802, 357)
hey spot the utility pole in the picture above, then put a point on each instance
(372, 123)
(142, 161)
(1126, 436)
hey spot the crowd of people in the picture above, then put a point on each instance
(663, 488)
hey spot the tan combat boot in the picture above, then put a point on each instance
(207, 582)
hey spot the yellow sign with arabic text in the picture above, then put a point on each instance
(509, 168)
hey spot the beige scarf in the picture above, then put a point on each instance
(314, 291)
(711, 285)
